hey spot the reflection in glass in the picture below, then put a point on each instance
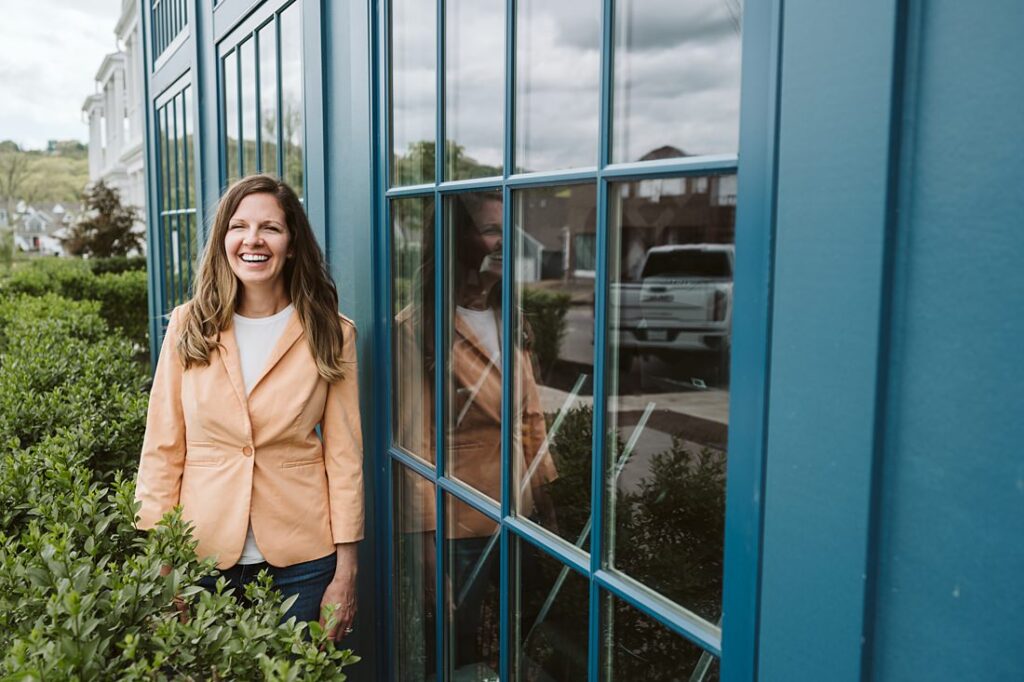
(291, 98)
(190, 163)
(247, 50)
(268, 98)
(554, 368)
(412, 291)
(414, 578)
(474, 88)
(640, 648)
(474, 574)
(677, 78)
(413, 91)
(558, 67)
(670, 311)
(550, 618)
(230, 65)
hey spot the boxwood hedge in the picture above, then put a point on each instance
(81, 590)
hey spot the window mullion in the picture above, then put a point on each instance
(595, 651)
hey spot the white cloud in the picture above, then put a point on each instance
(50, 51)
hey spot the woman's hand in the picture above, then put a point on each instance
(342, 591)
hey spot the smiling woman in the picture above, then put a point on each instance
(232, 432)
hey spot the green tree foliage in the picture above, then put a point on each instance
(416, 165)
(108, 231)
(81, 595)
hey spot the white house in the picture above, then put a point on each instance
(114, 114)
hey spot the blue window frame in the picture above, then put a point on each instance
(260, 65)
(176, 195)
(168, 19)
(421, 185)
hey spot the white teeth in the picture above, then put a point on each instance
(254, 258)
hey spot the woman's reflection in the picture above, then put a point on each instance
(473, 437)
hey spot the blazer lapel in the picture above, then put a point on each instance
(233, 363)
(291, 334)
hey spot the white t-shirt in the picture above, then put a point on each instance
(484, 327)
(256, 337)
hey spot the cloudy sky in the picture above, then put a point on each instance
(50, 51)
(677, 69)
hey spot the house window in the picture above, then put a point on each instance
(169, 18)
(263, 121)
(561, 214)
(176, 211)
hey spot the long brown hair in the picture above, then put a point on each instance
(307, 279)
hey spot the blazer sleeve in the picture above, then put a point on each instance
(342, 434)
(163, 447)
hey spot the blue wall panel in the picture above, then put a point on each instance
(950, 599)
(346, 150)
(834, 157)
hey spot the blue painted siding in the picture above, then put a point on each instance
(831, 220)
(950, 590)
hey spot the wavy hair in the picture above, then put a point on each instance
(307, 279)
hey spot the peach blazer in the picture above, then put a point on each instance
(225, 457)
(474, 445)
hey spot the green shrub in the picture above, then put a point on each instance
(122, 295)
(117, 264)
(60, 368)
(81, 595)
(668, 531)
(545, 313)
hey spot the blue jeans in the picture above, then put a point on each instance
(308, 580)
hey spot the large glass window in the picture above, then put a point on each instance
(263, 127)
(167, 19)
(560, 341)
(176, 214)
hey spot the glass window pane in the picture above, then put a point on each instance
(554, 363)
(474, 88)
(412, 291)
(474, 236)
(248, 56)
(413, 91)
(677, 78)
(190, 158)
(230, 65)
(474, 574)
(291, 98)
(637, 647)
(178, 130)
(550, 616)
(414, 576)
(168, 258)
(670, 311)
(268, 98)
(558, 68)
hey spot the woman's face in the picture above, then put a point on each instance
(257, 242)
(487, 220)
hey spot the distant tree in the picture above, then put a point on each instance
(107, 228)
(15, 172)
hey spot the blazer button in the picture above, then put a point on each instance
(247, 451)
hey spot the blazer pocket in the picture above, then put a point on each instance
(301, 463)
(201, 454)
(203, 461)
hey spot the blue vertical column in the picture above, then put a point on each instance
(751, 328)
(839, 64)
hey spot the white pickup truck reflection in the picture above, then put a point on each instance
(680, 303)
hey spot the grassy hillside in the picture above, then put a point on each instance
(48, 176)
